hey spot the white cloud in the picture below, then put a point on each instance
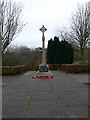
(51, 13)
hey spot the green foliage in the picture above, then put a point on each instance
(59, 52)
(50, 52)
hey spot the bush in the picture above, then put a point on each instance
(77, 68)
(6, 70)
(71, 68)
(55, 66)
(13, 70)
(36, 68)
(63, 67)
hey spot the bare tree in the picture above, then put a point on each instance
(11, 23)
(63, 34)
(21, 55)
(80, 28)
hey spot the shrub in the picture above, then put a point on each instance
(77, 68)
(6, 70)
(71, 68)
(36, 68)
(55, 66)
(13, 70)
(63, 67)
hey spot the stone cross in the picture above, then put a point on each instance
(43, 29)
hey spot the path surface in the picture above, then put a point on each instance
(64, 96)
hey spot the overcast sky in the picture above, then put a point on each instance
(53, 14)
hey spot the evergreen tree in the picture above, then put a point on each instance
(56, 50)
(50, 52)
(71, 54)
(59, 52)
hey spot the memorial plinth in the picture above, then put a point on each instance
(43, 71)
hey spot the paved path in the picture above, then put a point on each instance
(64, 96)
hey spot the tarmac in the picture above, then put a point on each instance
(64, 96)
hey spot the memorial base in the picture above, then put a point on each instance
(43, 72)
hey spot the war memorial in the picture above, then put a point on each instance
(43, 71)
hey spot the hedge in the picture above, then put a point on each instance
(71, 68)
(13, 70)
(77, 68)
(55, 66)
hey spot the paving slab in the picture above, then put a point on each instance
(64, 96)
(74, 112)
